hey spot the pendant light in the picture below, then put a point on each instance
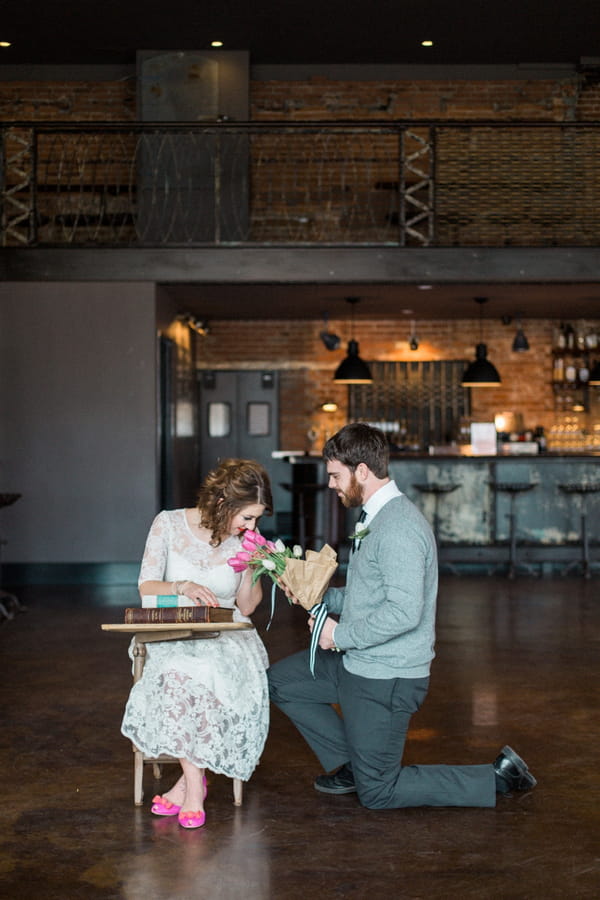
(353, 370)
(520, 343)
(481, 372)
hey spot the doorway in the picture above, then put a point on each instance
(239, 417)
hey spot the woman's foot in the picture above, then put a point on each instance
(192, 813)
(177, 793)
(192, 819)
(169, 803)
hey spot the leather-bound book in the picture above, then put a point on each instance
(177, 615)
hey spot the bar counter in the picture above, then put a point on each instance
(473, 520)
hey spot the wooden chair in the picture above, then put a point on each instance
(145, 634)
(139, 658)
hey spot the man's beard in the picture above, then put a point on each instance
(353, 496)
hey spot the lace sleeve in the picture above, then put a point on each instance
(154, 561)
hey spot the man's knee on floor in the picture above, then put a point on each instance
(374, 795)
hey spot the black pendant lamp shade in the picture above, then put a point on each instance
(520, 343)
(481, 372)
(353, 370)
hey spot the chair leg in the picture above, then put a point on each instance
(138, 776)
(513, 540)
(585, 546)
(237, 792)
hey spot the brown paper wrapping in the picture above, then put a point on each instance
(308, 579)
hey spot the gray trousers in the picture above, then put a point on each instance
(371, 734)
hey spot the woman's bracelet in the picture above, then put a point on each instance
(179, 586)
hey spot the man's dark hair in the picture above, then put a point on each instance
(359, 443)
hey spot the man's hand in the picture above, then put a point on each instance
(325, 638)
(287, 592)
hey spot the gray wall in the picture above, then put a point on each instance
(77, 420)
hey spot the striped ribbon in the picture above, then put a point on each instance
(319, 614)
(273, 589)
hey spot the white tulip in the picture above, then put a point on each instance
(297, 551)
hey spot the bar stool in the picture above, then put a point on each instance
(9, 603)
(305, 496)
(513, 489)
(437, 489)
(582, 490)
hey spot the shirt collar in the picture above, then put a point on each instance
(378, 500)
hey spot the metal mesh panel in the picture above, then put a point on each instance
(398, 184)
(415, 403)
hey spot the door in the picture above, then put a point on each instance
(239, 417)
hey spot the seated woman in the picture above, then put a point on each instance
(204, 702)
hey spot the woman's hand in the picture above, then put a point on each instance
(202, 596)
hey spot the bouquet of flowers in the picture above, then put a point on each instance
(306, 579)
(263, 557)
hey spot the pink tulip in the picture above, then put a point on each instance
(254, 537)
(237, 564)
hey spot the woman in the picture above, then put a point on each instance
(204, 702)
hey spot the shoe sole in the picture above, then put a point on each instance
(325, 790)
(521, 766)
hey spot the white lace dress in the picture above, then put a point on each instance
(202, 700)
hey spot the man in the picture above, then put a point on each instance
(386, 631)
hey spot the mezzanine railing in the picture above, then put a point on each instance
(426, 184)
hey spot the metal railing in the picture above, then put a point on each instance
(424, 184)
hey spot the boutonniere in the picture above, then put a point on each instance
(359, 534)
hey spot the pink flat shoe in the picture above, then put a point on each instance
(163, 807)
(192, 819)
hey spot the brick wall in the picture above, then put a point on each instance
(321, 99)
(306, 367)
(68, 101)
(492, 188)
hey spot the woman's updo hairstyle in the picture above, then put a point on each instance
(233, 485)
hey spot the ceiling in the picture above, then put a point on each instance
(448, 301)
(304, 31)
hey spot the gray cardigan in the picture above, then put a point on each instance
(387, 608)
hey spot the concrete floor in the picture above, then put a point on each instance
(517, 663)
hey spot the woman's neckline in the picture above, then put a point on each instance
(193, 529)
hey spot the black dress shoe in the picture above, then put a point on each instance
(512, 773)
(341, 782)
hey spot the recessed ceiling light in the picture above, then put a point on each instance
(4, 43)
(426, 43)
(216, 43)
(425, 287)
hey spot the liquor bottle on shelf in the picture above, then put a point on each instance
(583, 373)
(570, 370)
(558, 374)
(570, 337)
